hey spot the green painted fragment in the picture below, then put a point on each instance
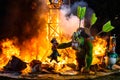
(93, 18)
(107, 27)
(81, 12)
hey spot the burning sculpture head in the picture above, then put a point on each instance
(54, 41)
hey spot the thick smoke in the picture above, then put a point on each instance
(21, 18)
(70, 21)
(88, 14)
(76, 4)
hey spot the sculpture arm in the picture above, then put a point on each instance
(64, 45)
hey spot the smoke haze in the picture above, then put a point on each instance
(69, 20)
(21, 18)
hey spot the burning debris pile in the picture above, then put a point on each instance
(12, 60)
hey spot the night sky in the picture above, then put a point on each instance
(17, 17)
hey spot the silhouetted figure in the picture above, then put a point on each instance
(55, 53)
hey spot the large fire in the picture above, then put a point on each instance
(99, 50)
(39, 48)
(33, 50)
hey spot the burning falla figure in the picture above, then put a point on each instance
(81, 43)
(55, 53)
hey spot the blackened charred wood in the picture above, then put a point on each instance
(15, 64)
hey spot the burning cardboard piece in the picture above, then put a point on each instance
(15, 65)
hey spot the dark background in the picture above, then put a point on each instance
(17, 17)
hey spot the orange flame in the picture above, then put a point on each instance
(99, 49)
(33, 49)
(8, 49)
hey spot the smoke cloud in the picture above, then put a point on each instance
(25, 19)
(21, 18)
(68, 23)
(69, 20)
